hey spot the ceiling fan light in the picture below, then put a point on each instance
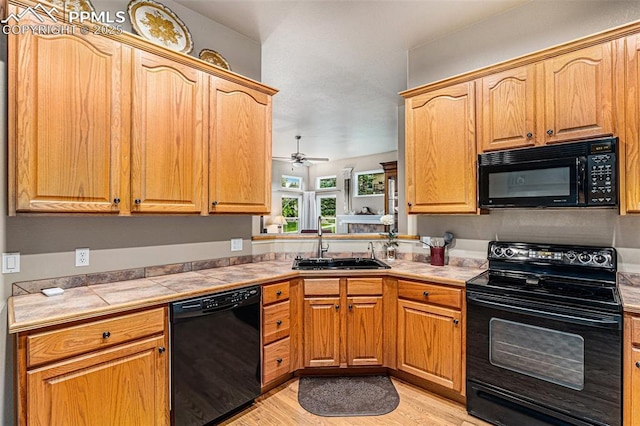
(297, 164)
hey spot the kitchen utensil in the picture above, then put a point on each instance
(448, 237)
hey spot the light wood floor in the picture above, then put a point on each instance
(417, 407)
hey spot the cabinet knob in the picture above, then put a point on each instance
(279, 322)
(161, 349)
(137, 201)
(279, 360)
(106, 335)
(638, 364)
(549, 132)
(529, 135)
(279, 293)
(214, 203)
(350, 307)
(410, 204)
(116, 201)
(455, 321)
(337, 307)
(425, 293)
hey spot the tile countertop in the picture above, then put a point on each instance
(33, 311)
(629, 287)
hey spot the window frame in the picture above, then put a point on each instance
(319, 178)
(356, 175)
(299, 179)
(299, 218)
(319, 198)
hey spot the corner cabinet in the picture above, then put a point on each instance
(239, 176)
(440, 156)
(117, 125)
(105, 371)
(631, 184)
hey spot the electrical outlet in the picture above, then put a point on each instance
(236, 244)
(10, 263)
(426, 241)
(82, 257)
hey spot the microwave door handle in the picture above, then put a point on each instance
(582, 180)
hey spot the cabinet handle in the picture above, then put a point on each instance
(337, 307)
(116, 201)
(638, 364)
(279, 293)
(106, 335)
(279, 360)
(137, 201)
(279, 323)
(161, 349)
(214, 203)
(425, 293)
(455, 321)
(549, 132)
(350, 307)
(529, 135)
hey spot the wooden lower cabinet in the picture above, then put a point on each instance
(322, 332)
(631, 376)
(430, 343)
(364, 331)
(276, 330)
(126, 382)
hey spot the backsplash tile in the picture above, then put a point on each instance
(110, 277)
(176, 268)
(209, 264)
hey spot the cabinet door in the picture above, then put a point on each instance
(577, 100)
(364, 331)
(125, 385)
(430, 343)
(168, 151)
(441, 151)
(507, 109)
(632, 396)
(632, 140)
(67, 103)
(322, 332)
(240, 149)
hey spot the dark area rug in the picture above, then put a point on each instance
(347, 396)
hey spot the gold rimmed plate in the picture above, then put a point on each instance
(214, 58)
(157, 23)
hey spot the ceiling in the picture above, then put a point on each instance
(339, 65)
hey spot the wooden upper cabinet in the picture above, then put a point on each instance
(578, 94)
(631, 146)
(240, 149)
(66, 108)
(441, 151)
(506, 109)
(168, 150)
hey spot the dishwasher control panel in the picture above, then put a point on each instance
(217, 301)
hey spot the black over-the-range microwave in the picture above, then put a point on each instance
(574, 174)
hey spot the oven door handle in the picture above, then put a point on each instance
(610, 321)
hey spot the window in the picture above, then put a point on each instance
(327, 210)
(291, 182)
(326, 182)
(369, 183)
(291, 212)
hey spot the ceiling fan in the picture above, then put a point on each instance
(298, 159)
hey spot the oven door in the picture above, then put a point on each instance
(546, 183)
(533, 363)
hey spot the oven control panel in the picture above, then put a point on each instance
(593, 257)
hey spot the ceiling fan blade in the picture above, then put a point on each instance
(316, 159)
(286, 159)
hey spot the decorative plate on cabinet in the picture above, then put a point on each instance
(214, 58)
(159, 24)
(74, 5)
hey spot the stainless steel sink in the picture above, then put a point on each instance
(311, 263)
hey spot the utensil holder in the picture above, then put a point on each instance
(437, 256)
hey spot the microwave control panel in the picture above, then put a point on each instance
(601, 179)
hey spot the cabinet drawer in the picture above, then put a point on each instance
(57, 344)
(276, 359)
(430, 293)
(275, 292)
(364, 286)
(635, 330)
(322, 287)
(276, 322)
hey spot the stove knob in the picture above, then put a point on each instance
(497, 251)
(599, 259)
(584, 257)
(508, 252)
(571, 256)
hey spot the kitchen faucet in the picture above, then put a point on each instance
(370, 247)
(321, 250)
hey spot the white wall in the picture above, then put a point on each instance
(534, 26)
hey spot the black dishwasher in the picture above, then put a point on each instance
(215, 355)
